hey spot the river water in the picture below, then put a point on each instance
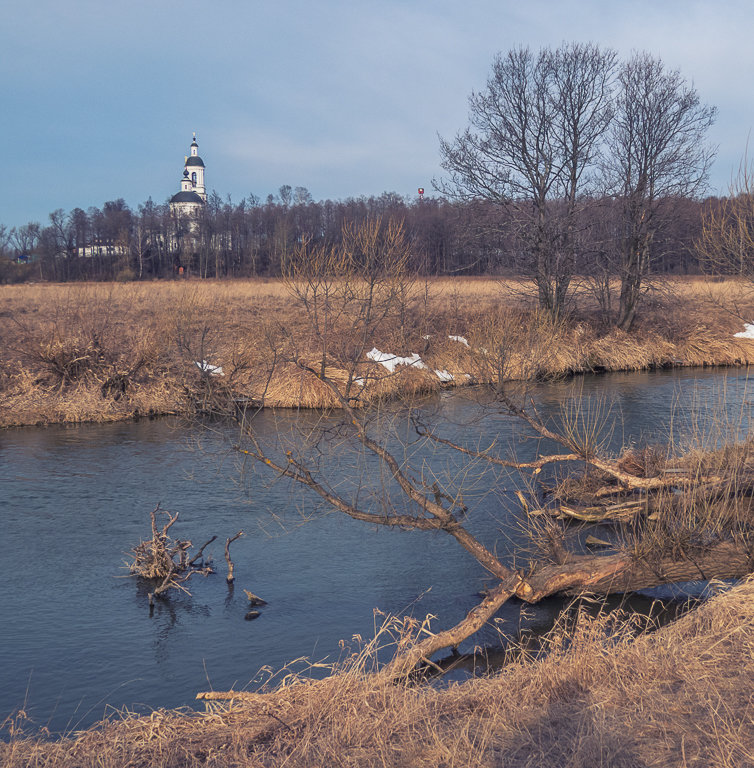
(77, 639)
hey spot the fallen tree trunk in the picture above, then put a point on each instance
(593, 574)
(623, 512)
(621, 572)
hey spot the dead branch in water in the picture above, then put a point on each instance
(200, 551)
(626, 481)
(231, 567)
(166, 560)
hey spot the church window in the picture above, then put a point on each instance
(193, 177)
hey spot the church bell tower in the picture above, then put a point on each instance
(195, 167)
(193, 195)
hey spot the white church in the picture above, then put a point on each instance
(191, 199)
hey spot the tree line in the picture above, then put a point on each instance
(250, 238)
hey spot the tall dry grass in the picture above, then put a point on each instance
(103, 352)
(602, 696)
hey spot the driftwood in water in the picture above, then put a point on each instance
(253, 599)
(200, 551)
(649, 505)
(623, 512)
(166, 560)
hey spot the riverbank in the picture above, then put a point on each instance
(108, 352)
(677, 697)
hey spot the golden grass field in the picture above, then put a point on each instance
(104, 352)
(680, 696)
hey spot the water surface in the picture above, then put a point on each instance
(77, 637)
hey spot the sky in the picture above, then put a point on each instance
(99, 100)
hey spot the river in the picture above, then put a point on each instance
(77, 638)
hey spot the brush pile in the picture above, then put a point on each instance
(167, 561)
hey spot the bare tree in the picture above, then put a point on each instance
(726, 244)
(533, 138)
(349, 291)
(656, 150)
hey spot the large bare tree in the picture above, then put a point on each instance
(656, 150)
(680, 520)
(533, 138)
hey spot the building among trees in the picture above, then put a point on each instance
(102, 246)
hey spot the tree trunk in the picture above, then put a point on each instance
(594, 574)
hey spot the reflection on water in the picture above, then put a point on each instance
(77, 634)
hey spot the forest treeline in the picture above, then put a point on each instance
(250, 238)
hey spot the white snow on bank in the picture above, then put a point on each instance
(392, 361)
(747, 334)
(210, 370)
(461, 339)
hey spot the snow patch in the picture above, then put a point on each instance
(209, 369)
(391, 361)
(747, 334)
(460, 339)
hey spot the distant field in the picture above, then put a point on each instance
(101, 352)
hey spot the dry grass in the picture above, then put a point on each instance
(104, 352)
(681, 696)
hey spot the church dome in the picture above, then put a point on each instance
(195, 160)
(186, 196)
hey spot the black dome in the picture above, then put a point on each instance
(195, 160)
(186, 196)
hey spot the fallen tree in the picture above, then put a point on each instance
(687, 521)
(673, 545)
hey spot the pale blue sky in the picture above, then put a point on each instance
(98, 100)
